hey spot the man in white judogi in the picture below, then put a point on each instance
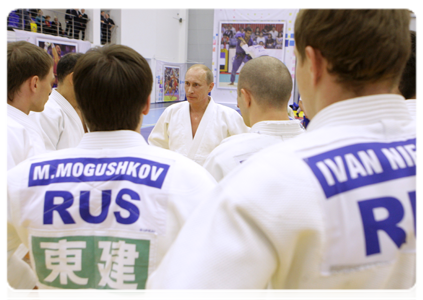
(28, 89)
(61, 120)
(334, 208)
(407, 86)
(102, 215)
(194, 128)
(264, 89)
(29, 80)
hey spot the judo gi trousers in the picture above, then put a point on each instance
(239, 59)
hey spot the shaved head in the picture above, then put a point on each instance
(209, 74)
(268, 80)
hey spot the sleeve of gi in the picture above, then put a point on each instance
(213, 165)
(159, 136)
(19, 273)
(236, 124)
(52, 125)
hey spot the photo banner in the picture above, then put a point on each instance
(33, 38)
(169, 81)
(272, 34)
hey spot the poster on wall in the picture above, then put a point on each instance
(57, 50)
(171, 83)
(241, 41)
(283, 19)
(168, 81)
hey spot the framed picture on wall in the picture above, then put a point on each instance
(171, 83)
(265, 38)
(57, 50)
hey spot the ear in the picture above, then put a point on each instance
(246, 97)
(34, 82)
(211, 85)
(146, 108)
(318, 63)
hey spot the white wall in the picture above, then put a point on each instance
(116, 16)
(156, 33)
(415, 22)
(200, 36)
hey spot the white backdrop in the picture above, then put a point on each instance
(252, 15)
(31, 37)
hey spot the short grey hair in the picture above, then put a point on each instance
(268, 80)
(209, 74)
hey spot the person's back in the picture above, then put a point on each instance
(263, 92)
(103, 214)
(335, 207)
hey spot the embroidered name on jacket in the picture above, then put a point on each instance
(136, 170)
(359, 165)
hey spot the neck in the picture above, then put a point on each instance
(20, 104)
(269, 115)
(331, 92)
(199, 107)
(68, 94)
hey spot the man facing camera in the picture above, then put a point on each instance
(194, 128)
(351, 223)
(264, 89)
(102, 215)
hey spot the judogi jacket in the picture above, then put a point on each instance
(173, 129)
(333, 208)
(60, 123)
(101, 215)
(24, 139)
(234, 150)
(412, 106)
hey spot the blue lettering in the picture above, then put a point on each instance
(359, 165)
(50, 207)
(111, 169)
(389, 225)
(100, 169)
(412, 197)
(134, 212)
(84, 169)
(84, 207)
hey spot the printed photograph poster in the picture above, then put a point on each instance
(171, 83)
(57, 50)
(267, 38)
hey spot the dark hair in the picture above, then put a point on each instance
(66, 65)
(25, 60)
(407, 84)
(361, 46)
(248, 29)
(268, 80)
(112, 85)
